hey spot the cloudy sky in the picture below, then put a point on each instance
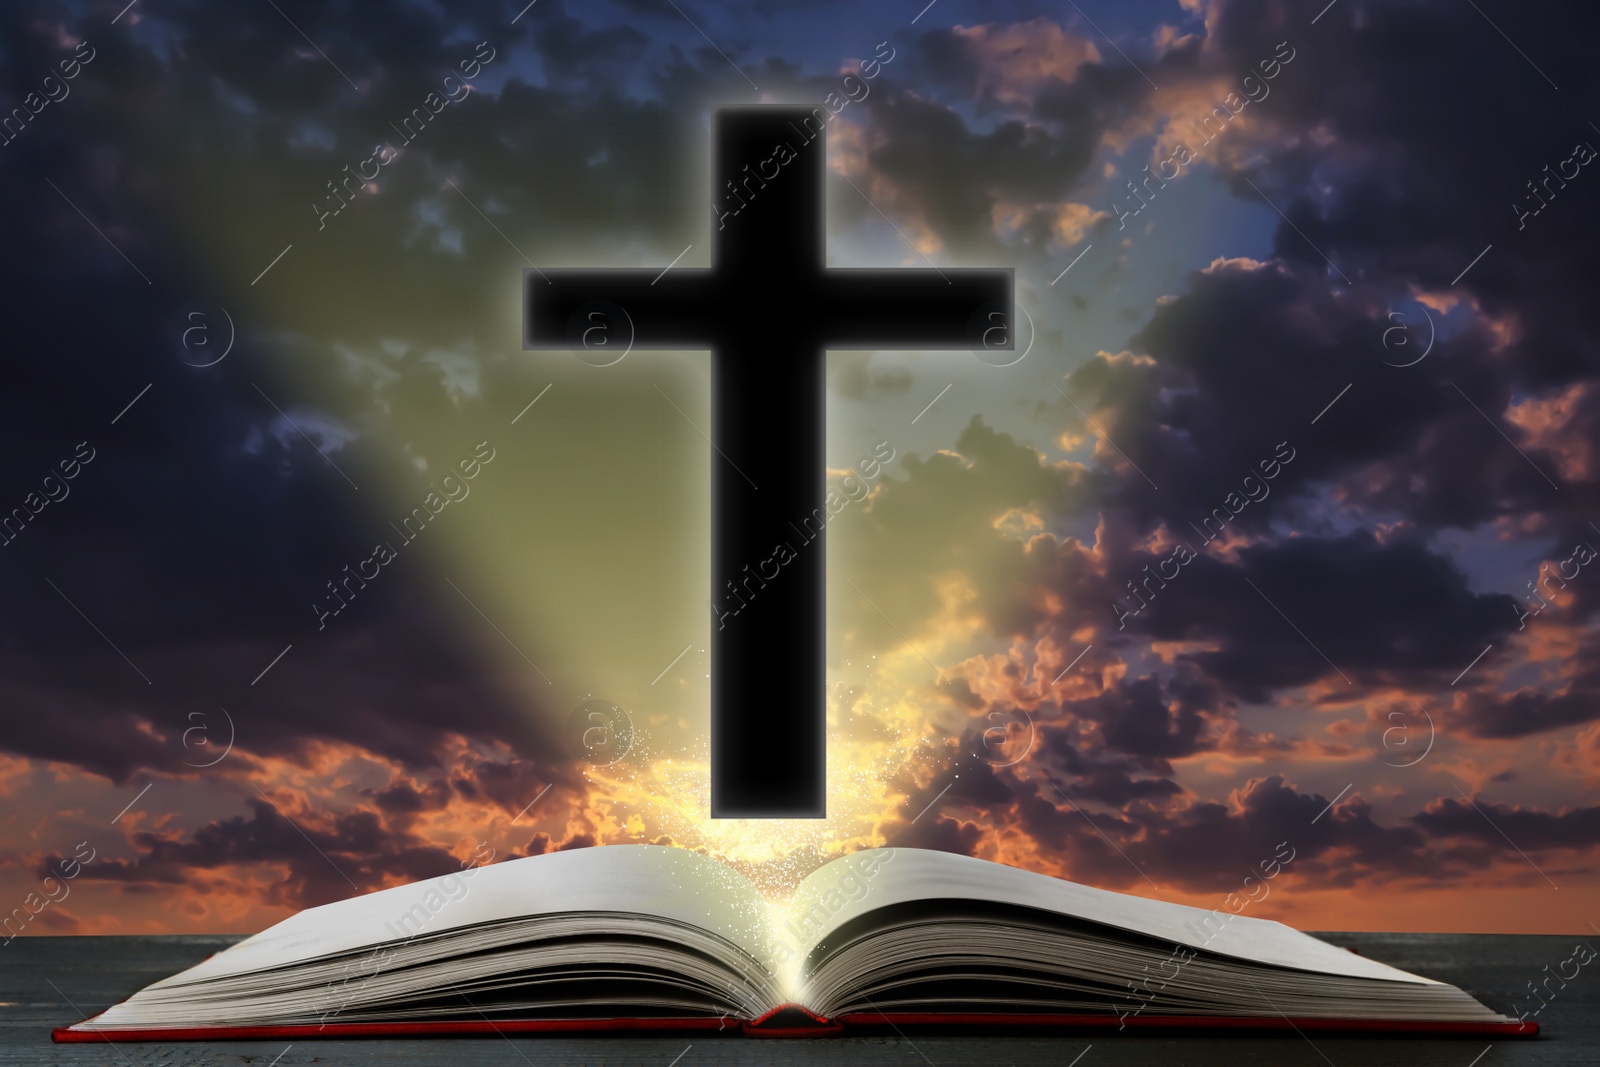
(1277, 532)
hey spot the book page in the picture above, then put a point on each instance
(855, 885)
(824, 899)
(653, 880)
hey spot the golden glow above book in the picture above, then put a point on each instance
(646, 937)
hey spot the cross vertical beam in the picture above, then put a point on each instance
(768, 725)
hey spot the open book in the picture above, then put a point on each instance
(630, 937)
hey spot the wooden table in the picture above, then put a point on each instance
(49, 981)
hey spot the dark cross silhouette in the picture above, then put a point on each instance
(768, 308)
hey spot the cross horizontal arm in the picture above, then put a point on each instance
(917, 308)
(647, 309)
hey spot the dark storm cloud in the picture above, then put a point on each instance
(1079, 760)
(196, 538)
(326, 859)
(1247, 357)
(1390, 612)
(1205, 846)
(541, 843)
(1383, 613)
(1570, 701)
(1213, 846)
(1531, 828)
(1400, 194)
(939, 833)
(330, 855)
(1135, 718)
(402, 798)
(1415, 192)
(1401, 186)
(388, 685)
(954, 175)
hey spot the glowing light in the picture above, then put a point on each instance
(666, 795)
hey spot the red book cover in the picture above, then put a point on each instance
(794, 1021)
